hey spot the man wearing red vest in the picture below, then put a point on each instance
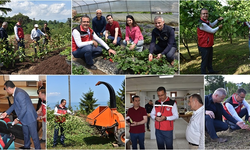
(59, 111)
(18, 30)
(164, 113)
(85, 43)
(42, 110)
(205, 34)
(233, 106)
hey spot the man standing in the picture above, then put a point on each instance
(85, 43)
(35, 36)
(25, 112)
(205, 34)
(138, 116)
(46, 30)
(99, 23)
(42, 110)
(60, 111)
(113, 28)
(18, 30)
(149, 107)
(4, 35)
(233, 106)
(195, 129)
(164, 113)
(213, 115)
(166, 41)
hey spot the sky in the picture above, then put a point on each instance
(57, 87)
(237, 78)
(58, 10)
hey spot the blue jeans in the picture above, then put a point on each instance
(242, 113)
(213, 126)
(169, 55)
(139, 45)
(164, 138)
(137, 136)
(206, 59)
(56, 134)
(88, 53)
(112, 38)
(31, 130)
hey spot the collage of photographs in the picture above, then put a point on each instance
(124, 74)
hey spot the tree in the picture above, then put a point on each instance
(4, 9)
(87, 102)
(231, 88)
(213, 83)
(120, 99)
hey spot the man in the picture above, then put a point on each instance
(213, 115)
(149, 107)
(4, 35)
(25, 112)
(99, 23)
(60, 111)
(46, 30)
(195, 129)
(164, 113)
(85, 43)
(18, 30)
(42, 110)
(35, 36)
(40, 86)
(138, 116)
(166, 41)
(233, 106)
(205, 34)
(113, 28)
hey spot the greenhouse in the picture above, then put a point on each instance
(144, 13)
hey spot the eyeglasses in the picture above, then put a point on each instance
(85, 21)
(241, 97)
(204, 13)
(98, 13)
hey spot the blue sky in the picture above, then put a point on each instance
(58, 10)
(57, 87)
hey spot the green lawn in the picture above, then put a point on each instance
(227, 58)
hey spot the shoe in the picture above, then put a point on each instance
(63, 145)
(220, 140)
(54, 146)
(93, 67)
(214, 72)
(42, 141)
(23, 147)
(149, 130)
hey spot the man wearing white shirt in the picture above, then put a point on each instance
(35, 36)
(233, 106)
(205, 34)
(164, 113)
(195, 128)
(85, 43)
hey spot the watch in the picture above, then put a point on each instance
(17, 119)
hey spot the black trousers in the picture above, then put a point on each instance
(207, 58)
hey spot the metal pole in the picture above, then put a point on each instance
(150, 10)
(110, 8)
(127, 6)
(69, 91)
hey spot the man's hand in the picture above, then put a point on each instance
(95, 43)
(162, 118)
(112, 52)
(210, 113)
(132, 47)
(134, 123)
(114, 41)
(15, 121)
(219, 19)
(3, 115)
(220, 26)
(242, 125)
(159, 56)
(101, 34)
(150, 57)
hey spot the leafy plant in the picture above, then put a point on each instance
(77, 70)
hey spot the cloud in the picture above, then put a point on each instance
(44, 10)
(53, 94)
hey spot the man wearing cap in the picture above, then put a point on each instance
(35, 36)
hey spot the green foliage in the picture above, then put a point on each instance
(67, 53)
(213, 83)
(120, 99)
(147, 39)
(77, 70)
(87, 102)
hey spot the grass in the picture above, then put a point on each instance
(227, 58)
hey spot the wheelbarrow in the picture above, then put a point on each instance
(108, 120)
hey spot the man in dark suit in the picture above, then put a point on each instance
(149, 107)
(25, 112)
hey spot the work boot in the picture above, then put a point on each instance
(220, 140)
(93, 67)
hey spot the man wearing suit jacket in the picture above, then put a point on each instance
(25, 112)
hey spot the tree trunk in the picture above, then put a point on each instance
(186, 46)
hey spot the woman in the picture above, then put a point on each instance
(133, 34)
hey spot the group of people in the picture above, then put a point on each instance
(205, 34)
(230, 111)
(35, 35)
(85, 40)
(164, 112)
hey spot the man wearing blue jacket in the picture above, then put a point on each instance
(99, 24)
(214, 113)
(26, 113)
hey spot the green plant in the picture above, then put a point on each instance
(77, 70)
(67, 53)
